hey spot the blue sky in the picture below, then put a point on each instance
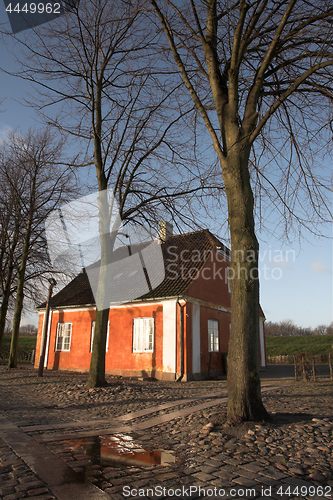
(296, 279)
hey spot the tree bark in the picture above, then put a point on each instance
(8, 283)
(244, 392)
(19, 299)
(4, 304)
(97, 361)
(12, 363)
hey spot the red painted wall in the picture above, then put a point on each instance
(216, 359)
(119, 356)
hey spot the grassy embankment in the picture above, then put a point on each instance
(25, 348)
(312, 344)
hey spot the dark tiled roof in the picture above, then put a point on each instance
(76, 293)
(177, 277)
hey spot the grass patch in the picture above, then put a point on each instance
(25, 348)
(283, 346)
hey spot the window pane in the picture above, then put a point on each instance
(59, 337)
(64, 336)
(213, 335)
(143, 334)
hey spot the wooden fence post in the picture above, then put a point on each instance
(313, 369)
(295, 363)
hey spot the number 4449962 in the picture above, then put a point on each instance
(319, 491)
(35, 8)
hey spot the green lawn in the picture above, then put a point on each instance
(25, 347)
(282, 346)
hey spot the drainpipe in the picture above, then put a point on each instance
(53, 283)
(181, 304)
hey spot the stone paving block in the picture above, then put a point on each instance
(9, 482)
(252, 467)
(38, 491)
(249, 475)
(203, 476)
(165, 477)
(6, 490)
(14, 496)
(269, 481)
(295, 481)
(273, 473)
(187, 480)
(21, 472)
(233, 461)
(219, 483)
(27, 478)
(207, 468)
(12, 463)
(225, 474)
(139, 484)
(29, 486)
(243, 481)
(5, 470)
(5, 477)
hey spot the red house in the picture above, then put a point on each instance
(180, 328)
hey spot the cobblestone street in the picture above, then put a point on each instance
(59, 440)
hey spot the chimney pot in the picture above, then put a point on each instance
(166, 230)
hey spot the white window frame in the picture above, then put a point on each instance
(213, 336)
(143, 334)
(92, 333)
(62, 330)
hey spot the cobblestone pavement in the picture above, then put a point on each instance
(97, 433)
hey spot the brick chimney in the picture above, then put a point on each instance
(166, 230)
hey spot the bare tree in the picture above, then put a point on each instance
(123, 109)
(10, 230)
(28, 329)
(329, 330)
(321, 330)
(31, 167)
(285, 328)
(260, 75)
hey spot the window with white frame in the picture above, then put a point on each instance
(213, 335)
(143, 335)
(64, 334)
(228, 279)
(93, 333)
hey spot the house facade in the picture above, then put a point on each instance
(179, 329)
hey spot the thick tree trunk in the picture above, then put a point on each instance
(21, 277)
(8, 284)
(97, 361)
(4, 305)
(244, 393)
(19, 298)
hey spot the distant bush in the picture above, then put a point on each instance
(287, 328)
